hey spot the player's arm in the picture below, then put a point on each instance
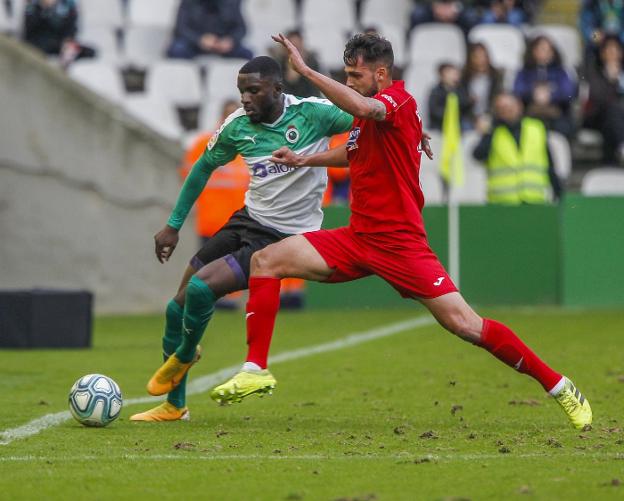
(219, 152)
(336, 157)
(166, 239)
(342, 96)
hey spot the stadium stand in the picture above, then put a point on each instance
(561, 155)
(101, 77)
(327, 24)
(176, 82)
(380, 14)
(103, 39)
(505, 44)
(155, 13)
(431, 184)
(133, 35)
(219, 86)
(108, 13)
(261, 18)
(565, 38)
(603, 181)
(144, 45)
(156, 113)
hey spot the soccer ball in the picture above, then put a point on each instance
(95, 400)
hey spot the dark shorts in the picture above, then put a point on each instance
(407, 263)
(236, 241)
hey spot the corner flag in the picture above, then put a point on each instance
(451, 161)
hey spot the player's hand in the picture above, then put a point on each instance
(425, 146)
(295, 58)
(286, 156)
(166, 241)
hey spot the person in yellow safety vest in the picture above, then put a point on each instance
(516, 154)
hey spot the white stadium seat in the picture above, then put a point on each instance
(327, 24)
(381, 12)
(159, 13)
(396, 36)
(7, 24)
(220, 85)
(101, 77)
(566, 39)
(101, 13)
(154, 113)
(174, 81)
(431, 183)
(265, 18)
(332, 15)
(430, 45)
(505, 43)
(419, 79)
(604, 181)
(103, 39)
(561, 153)
(145, 44)
(437, 42)
(328, 45)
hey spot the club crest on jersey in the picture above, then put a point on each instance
(213, 141)
(292, 134)
(353, 137)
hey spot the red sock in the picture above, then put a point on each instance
(501, 342)
(262, 307)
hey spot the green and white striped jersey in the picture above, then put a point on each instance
(281, 197)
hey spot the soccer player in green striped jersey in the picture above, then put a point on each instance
(279, 202)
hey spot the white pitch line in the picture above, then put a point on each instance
(204, 383)
(405, 456)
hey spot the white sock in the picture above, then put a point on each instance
(251, 366)
(558, 387)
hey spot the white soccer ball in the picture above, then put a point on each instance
(95, 400)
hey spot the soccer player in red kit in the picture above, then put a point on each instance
(386, 234)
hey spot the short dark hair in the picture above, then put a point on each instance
(373, 48)
(265, 65)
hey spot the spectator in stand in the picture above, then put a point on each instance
(504, 11)
(599, 18)
(51, 25)
(545, 87)
(205, 27)
(450, 81)
(294, 83)
(444, 11)
(604, 109)
(516, 154)
(482, 81)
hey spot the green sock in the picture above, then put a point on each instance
(170, 341)
(198, 309)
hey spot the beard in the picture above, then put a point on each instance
(372, 90)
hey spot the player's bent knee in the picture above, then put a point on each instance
(262, 263)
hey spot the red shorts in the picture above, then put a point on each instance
(407, 263)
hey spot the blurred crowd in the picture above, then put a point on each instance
(564, 98)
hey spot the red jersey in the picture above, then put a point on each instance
(384, 160)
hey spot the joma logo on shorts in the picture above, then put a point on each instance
(262, 170)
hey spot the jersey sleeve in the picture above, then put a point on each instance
(219, 151)
(392, 103)
(334, 119)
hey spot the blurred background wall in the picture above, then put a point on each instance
(83, 189)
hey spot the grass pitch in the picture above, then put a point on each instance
(415, 415)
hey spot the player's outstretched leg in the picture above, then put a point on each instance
(254, 378)
(456, 316)
(198, 309)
